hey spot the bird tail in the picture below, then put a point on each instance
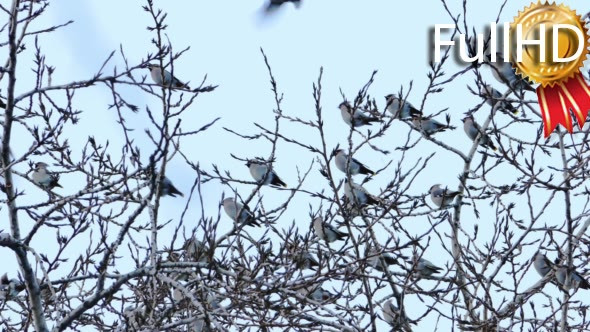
(174, 191)
(278, 182)
(373, 119)
(365, 170)
(181, 85)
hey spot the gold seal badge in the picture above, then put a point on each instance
(548, 73)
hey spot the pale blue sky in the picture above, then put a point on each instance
(348, 38)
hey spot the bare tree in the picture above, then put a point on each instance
(360, 257)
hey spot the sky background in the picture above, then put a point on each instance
(348, 38)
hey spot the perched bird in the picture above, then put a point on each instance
(378, 260)
(9, 288)
(400, 109)
(264, 174)
(316, 293)
(357, 194)
(542, 264)
(429, 126)
(494, 96)
(442, 197)
(169, 80)
(472, 129)
(167, 188)
(576, 280)
(354, 166)
(44, 178)
(301, 257)
(327, 232)
(355, 117)
(426, 268)
(199, 325)
(393, 317)
(504, 73)
(195, 251)
(232, 208)
(273, 5)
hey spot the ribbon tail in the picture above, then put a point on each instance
(553, 109)
(576, 93)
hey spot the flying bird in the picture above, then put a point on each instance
(264, 174)
(400, 109)
(44, 178)
(575, 279)
(327, 232)
(494, 96)
(354, 166)
(393, 317)
(442, 197)
(429, 126)
(542, 264)
(355, 117)
(472, 129)
(168, 79)
(504, 73)
(232, 208)
(426, 268)
(357, 194)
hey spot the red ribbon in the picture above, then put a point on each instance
(558, 100)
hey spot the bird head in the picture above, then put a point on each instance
(344, 106)
(435, 187)
(40, 165)
(336, 152)
(390, 98)
(468, 118)
(228, 200)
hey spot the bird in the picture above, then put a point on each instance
(442, 197)
(301, 257)
(327, 232)
(44, 178)
(393, 317)
(273, 5)
(357, 194)
(316, 293)
(169, 80)
(472, 129)
(504, 73)
(354, 166)
(426, 268)
(355, 117)
(494, 96)
(400, 109)
(232, 208)
(378, 260)
(576, 280)
(542, 264)
(167, 188)
(264, 174)
(586, 17)
(429, 126)
(199, 325)
(195, 251)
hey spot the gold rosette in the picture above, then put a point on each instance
(562, 87)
